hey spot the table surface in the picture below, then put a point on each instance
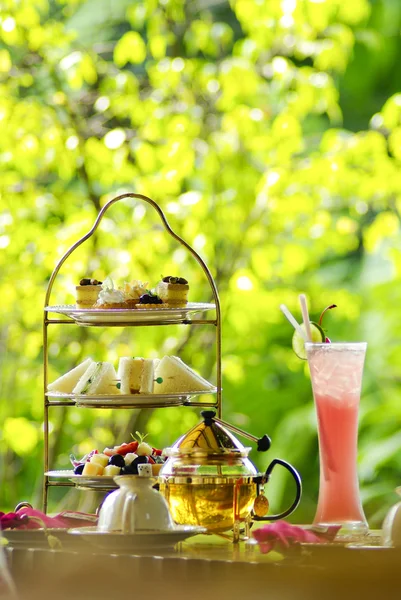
(209, 565)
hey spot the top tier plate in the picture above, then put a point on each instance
(85, 316)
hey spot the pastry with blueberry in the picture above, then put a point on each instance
(133, 291)
(150, 300)
(173, 291)
(87, 292)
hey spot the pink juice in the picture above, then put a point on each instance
(336, 373)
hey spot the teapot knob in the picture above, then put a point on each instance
(208, 415)
(264, 443)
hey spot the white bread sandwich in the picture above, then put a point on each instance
(66, 383)
(136, 375)
(178, 377)
(99, 378)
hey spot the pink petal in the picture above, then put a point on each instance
(283, 534)
(266, 547)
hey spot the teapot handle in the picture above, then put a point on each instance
(298, 483)
(125, 519)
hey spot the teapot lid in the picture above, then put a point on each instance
(208, 437)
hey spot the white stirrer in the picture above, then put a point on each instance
(305, 316)
(293, 321)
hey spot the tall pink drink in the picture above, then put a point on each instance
(336, 373)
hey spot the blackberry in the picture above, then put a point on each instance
(117, 460)
(145, 299)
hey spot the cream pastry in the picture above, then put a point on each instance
(109, 297)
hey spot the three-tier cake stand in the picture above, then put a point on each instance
(72, 316)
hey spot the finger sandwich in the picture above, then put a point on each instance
(177, 377)
(136, 375)
(99, 378)
(66, 383)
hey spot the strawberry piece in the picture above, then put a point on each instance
(126, 448)
(156, 452)
(122, 449)
(109, 451)
(151, 460)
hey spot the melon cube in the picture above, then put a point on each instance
(92, 469)
(99, 459)
(111, 471)
(129, 457)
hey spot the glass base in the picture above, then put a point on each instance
(347, 528)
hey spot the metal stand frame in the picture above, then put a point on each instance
(47, 321)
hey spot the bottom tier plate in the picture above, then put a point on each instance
(120, 542)
(38, 538)
(99, 482)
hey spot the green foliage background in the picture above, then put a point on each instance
(270, 134)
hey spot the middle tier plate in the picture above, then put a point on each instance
(100, 482)
(139, 400)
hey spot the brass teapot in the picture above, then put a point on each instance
(208, 479)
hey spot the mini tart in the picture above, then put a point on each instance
(150, 300)
(156, 306)
(131, 302)
(86, 295)
(132, 291)
(173, 294)
(111, 305)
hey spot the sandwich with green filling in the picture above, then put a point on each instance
(99, 378)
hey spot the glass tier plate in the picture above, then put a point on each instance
(123, 542)
(36, 538)
(99, 482)
(136, 400)
(134, 315)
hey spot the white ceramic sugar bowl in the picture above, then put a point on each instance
(135, 506)
(391, 530)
